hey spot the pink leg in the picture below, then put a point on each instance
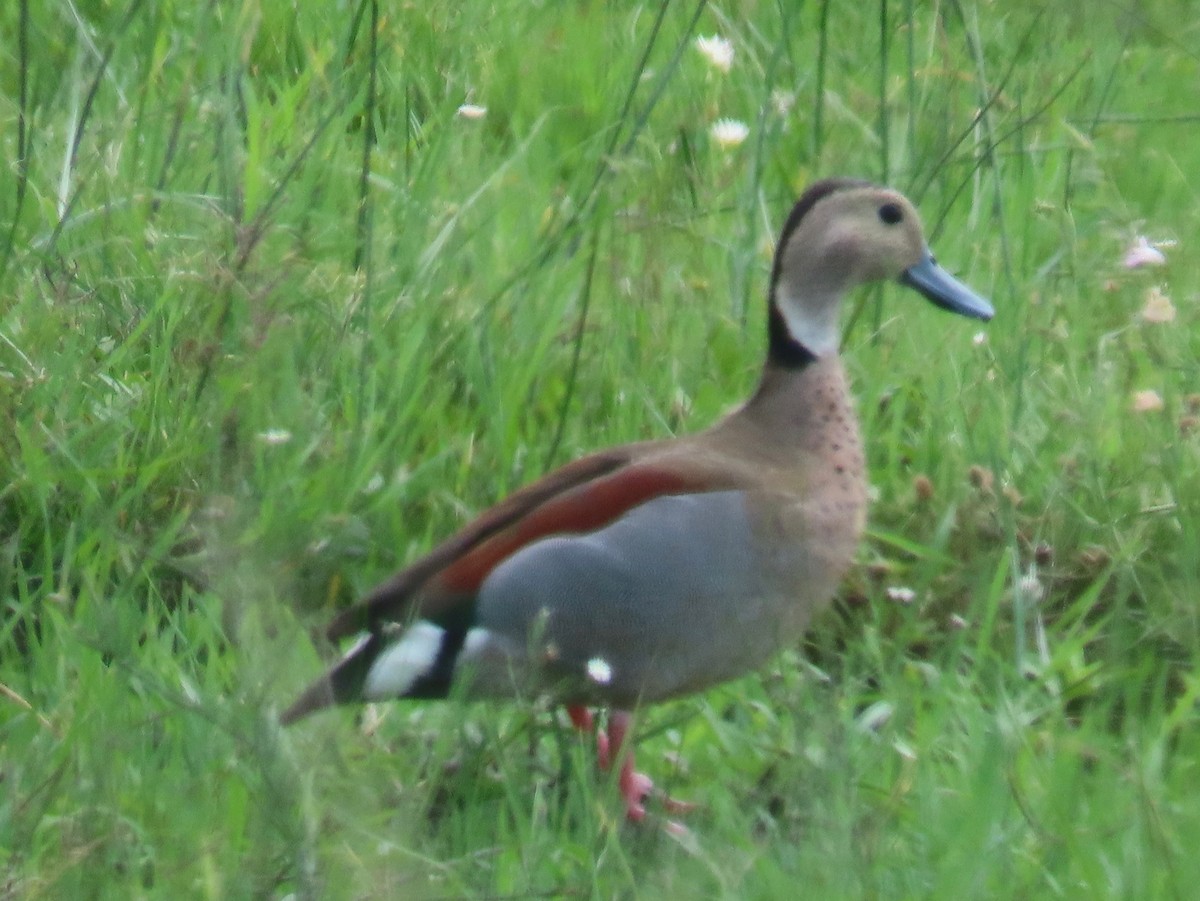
(634, 786)
(583, 721)
(581, 717)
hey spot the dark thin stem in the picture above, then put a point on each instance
(565, 232)
(742, 254)
(631, 91)
(604, 169)
(361, 250)
(1132, 118)
(172, 147)
(1105, 92)
(86, 112)
(910, 136)
(940, 219)
(352, 33)
(819, 100)
(885, 141)
(665, 79)
(576, 350)
(257, 228)
(248, 240)
(22, 133)
(988, 102)
(884, 125)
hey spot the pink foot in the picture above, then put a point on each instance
(604, 754)
(635, 787)
(583, 721)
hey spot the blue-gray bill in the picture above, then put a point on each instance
(944, 290)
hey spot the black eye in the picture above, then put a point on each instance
(890, 213)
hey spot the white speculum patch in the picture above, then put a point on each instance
(477, 639)
(399, 667)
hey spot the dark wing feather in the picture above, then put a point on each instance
(441, 587)
(391, 600)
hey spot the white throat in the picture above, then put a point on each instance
(812, 322)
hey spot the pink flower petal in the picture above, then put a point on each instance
(1142, 253)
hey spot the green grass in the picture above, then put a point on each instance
(228, 225)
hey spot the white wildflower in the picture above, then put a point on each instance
(729, 133)
(979, 339)
(1030, 587)
(876, 716)
(275, 436)
(190, 692)
(782, 101)
(599, 670)
(901, 594)
(904, 749)
(472, 111)
(717, 50)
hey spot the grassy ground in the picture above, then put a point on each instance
(274, 317)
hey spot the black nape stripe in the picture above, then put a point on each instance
(783, 349)
(816, 192)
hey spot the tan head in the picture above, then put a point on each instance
(842, 234)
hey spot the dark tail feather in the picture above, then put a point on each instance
(341, 685)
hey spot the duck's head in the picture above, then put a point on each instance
(841, 234)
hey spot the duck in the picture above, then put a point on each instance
(655, 570)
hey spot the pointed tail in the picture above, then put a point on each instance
(417, 663)
(342, 684)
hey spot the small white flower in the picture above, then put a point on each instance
(190, 692)
(876, 716)
(782, 101)
(275, 436)
(1148, 401)
(1031, 587)
(599, 671)
(980, 339)
(1142, 253)
(717, 50)
(901, 594)
(1158, 308)
(472, 111)
(904, 749)
(729, 133)
(373, 484)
